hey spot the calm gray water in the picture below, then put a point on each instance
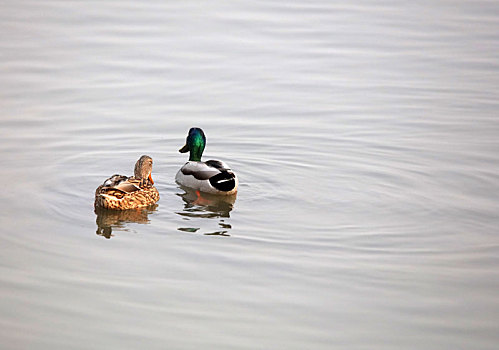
(365, 136)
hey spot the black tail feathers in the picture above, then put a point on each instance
(225, 181)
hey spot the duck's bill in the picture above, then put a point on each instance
(184, 149)
(150, 179)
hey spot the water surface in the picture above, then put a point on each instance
(365, 137)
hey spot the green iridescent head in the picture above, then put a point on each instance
(194, 144)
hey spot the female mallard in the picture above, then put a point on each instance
(120, 192)
(212, 176)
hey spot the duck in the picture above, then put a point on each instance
(212, 176)
(121, 192)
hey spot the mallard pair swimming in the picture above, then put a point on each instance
(120, 192)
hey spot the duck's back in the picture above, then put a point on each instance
(212, 176)
(125, 193)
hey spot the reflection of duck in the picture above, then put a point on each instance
(109, 219)
(207, 206)
(212, 176)
(199, 204)
(121, 192)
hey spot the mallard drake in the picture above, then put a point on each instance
(120, 192)
(212, 176)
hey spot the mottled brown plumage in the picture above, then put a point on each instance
(120, 192)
